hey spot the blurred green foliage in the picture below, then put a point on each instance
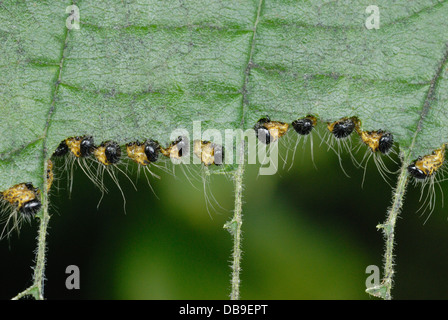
(308, 233)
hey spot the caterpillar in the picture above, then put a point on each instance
(337, 138)
(268, 131)
(303, 127)
(379, 143)
(23, 201)
(107, 153)
(176, 149)
(428, 172)
(426, 166)
(209, 153)
(79, 148)
(143, 153)
(342, 128)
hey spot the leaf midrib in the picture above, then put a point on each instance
(249, 65)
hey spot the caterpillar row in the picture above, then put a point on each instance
(143, 153)
(25, 198)
(268, 131)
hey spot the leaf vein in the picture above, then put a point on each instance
(55, 92)
(249, 65)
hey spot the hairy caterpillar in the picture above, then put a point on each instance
(303, 127)
(379, 143)
(268, 131)
(23, 202)
(338, 136)
(428, 171)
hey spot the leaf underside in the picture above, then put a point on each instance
(138, 70)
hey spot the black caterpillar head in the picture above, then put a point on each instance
(61, 150)
(343, 128)
(416, 172)
(86, 147)
(386, 142)
(30, 208)
(305, 125)
(112, 152)
(152, 149)
(261, 131)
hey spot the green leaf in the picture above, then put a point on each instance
(139, 70)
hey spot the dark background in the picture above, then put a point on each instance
(307, 234)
